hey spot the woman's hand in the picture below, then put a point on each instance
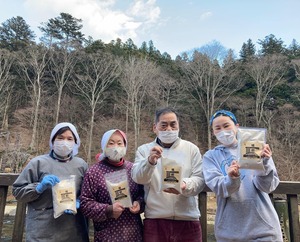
(234, 170)
(117, 210)
(266, 152)
(135, 207)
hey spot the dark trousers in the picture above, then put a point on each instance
(158, 230)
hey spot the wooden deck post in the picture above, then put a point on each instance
(19, 223)
(3, 194)
(203, 211)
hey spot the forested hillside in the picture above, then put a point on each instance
(66, 76)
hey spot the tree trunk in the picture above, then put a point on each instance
(35, 120)
(135, 127)
(91, 136)
(209, 134)
(5, 114)
(58, 104)
(127, 118)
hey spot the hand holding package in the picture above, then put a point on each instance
(48, 181)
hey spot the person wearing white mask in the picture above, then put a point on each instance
(112, 220)
(34, 187)
(244, 209)
(170, 214)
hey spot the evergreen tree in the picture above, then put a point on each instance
(271, 45)
(144, 48)
(294, 49)
(129, 44)
(248, 50)
(130, 48)
(166, 56)
(94, 46)
(153, 52)
(15, 34)
(63, 31)
(115, 47)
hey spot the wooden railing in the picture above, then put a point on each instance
(287, 188)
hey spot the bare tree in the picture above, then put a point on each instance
(6, 97)
(6, 85)
(32, 67)
(13, 158)
(286, 143)
(165, 90)
(137, 76)
(98, 71)
(62, 65)
(296, 66)
(214, 51)
(267, 72)
(207, 81)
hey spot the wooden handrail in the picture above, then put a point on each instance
(289, 188)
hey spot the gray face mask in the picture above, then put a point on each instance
(168, 137)
(226, 137)
(115, 153)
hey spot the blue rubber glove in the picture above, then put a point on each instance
(69, 211)
(77, 203)
(48, 181)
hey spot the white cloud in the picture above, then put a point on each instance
(206, 15)
(100, 18)
(145, 10)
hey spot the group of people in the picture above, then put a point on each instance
(171, 212)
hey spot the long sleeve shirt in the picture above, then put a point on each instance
(164, 205)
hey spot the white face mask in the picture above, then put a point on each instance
(226, 137)
(63, 147)
(115, 153)
(168, 137)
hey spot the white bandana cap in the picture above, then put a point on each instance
(105, 138)
(72, 128)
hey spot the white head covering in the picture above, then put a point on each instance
(72, 128)
(105, 138)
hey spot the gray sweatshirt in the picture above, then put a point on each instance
(244, 209)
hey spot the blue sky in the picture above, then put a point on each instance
(174, 26)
